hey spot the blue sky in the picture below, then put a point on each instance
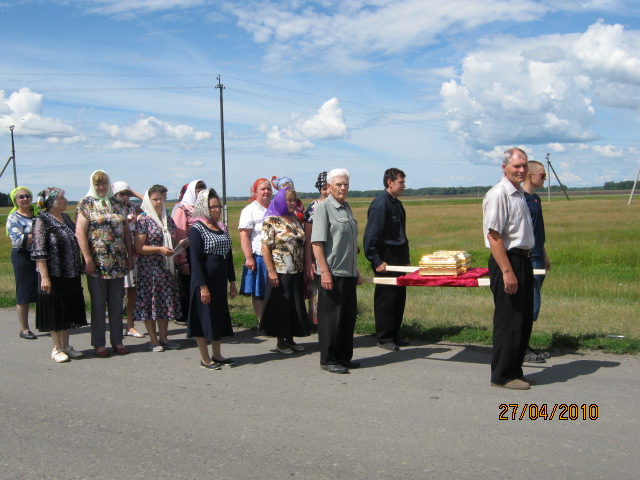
(438, 89)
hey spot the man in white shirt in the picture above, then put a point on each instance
(508, 232)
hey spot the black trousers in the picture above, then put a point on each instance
(337, 311)
(389, 301)
(512, 319)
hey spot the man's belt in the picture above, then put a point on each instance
(520, 252)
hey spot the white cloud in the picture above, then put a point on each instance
(344, 36)
(326, 124)
(124, 7)
(542, 89)
(556, 147)
(608, 151)
(23, 109)
(151, 130)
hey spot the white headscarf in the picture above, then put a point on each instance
(190, 197)
(161, 221)
(104, 201)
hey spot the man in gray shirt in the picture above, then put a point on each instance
(335, 245)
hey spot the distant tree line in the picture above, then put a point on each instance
(5, 201)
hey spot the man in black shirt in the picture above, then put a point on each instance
(385, 243)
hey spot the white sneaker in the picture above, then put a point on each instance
(72, 352)
(59, 356)
(156, 348)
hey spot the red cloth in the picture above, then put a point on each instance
(468, 279)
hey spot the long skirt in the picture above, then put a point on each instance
(24, 271)
(213, 320)
(284, 314)
(63, 308)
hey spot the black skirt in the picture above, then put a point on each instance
(63, 308)
(284, 314)
(24, 271)
(213, 320)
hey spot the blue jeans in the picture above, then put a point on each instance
(538, 280)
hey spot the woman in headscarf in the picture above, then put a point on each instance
(105, 243)
(279, 183)
(19, 228)
(182, 215)
(284, 315)
(124, 192)
(254, 273)
(211, 268)
(157, 299)
(60, 306)
(309, 260)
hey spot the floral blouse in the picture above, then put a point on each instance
(56, 243)
(19, 228)
(311, 209)
(106, 236)
(286, 237)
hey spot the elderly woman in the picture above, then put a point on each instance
(335, 245)
(284, 315)
(211, 268)
(254, 273)
(123, 192)
(60, 305)
(279, 183)
(19, 228)
(182, 215)
(105, 243)
(157, 299)
(309, 260)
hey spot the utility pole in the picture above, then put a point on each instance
(12, 158)
(634, 188)
(224, 177)
(550, 167)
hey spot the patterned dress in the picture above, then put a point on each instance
(157, 297)
(284, 314)
(24, 269)
(106, 236)
(312, 292)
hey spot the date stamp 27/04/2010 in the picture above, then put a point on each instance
(543, 411)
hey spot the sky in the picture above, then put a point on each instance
(437, 89)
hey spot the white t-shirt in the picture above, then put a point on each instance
(252, 217)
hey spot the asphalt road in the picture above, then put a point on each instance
(424, 412)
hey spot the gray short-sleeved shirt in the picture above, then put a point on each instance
(335, 227)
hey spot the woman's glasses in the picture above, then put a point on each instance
(22, 197)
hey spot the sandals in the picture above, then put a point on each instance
(136, 334)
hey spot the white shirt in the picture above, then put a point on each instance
(504, 209)
(252, 217)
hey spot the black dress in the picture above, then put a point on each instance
(63, 308)
(211, 265)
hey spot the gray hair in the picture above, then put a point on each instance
(506, 156)
(336, 173)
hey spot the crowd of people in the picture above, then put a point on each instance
(160, 267)
(179, 266)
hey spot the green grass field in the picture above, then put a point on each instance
(592, 290)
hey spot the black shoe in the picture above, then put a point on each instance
(227, 361)
(401, 343)
(350, 364)
(29, 335)
(210, 366)
(389, 346)
(334, 368)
